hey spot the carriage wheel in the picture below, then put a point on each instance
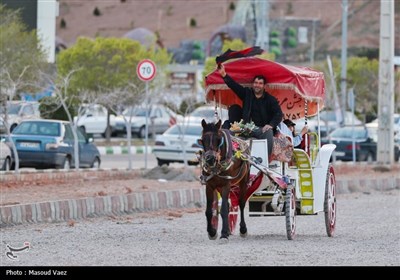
(215, 211)
(232, 218)
(330, 202)
(290, 212)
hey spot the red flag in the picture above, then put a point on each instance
(229, 54)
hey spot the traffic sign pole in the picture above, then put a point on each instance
(146, 71)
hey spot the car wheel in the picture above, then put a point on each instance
(161, 162)
(193, 162)
(96, 163)
(67, 164)
(370, 158)
(142, 132)
(14, 125)
(83, 130)
(6, 165)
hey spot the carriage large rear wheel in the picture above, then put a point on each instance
(330, 202)
(290, 212)
(232, 218)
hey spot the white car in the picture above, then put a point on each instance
(169, 146)
(93, 120)
(6, 158)
(16, 112)
(208, 113)
(160, 118)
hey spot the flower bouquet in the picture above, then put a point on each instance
(243, 129)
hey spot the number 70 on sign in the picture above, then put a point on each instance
(146, 70)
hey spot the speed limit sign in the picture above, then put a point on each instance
(146, 70)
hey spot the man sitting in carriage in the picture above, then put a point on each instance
(258, 106)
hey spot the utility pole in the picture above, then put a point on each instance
(386, 84)
(343, 75)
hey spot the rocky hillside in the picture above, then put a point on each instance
(177, 20)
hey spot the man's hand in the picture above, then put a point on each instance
(266, 128)
(221, 70)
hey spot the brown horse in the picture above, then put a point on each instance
(221, 170)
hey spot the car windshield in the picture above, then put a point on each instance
(349, 133)
(12, 109)
(38, 128)
(188, 130)
(135, 111)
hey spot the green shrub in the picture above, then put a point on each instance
(277, 51)
(193, 22)
(275, 42)
(291, 32)
(274, 33)
(63, 24)
(291, 42)
(96, 12)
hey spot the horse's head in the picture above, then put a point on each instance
(212, 141)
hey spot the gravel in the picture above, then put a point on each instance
(367, 234)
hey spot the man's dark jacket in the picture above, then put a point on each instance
(272, 114)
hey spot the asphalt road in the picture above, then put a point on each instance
(367, 234)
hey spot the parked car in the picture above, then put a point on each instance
(50, 144)
(160, 118)
(169, 145)
(16, 112)
(365, 139)
(93, 120)
(6, 156)
(206, 112)
(328, 122)
(396, 124)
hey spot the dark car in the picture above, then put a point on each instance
(50, 144)
(365, 143)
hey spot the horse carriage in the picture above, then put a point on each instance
(239, 173)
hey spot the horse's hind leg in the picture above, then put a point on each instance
(212, 231)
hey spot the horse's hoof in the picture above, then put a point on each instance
(244, 235)
(213, 237)
(223, 240)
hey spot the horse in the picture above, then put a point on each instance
(221, 170)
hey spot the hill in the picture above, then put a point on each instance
(178, 20)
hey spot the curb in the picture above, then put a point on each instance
(123, 150)
(75, 209)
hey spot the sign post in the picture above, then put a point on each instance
(146, 71)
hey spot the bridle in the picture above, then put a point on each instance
(218, 158)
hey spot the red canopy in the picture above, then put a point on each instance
(293, 86)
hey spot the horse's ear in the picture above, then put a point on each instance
(218, 124)
(203, 123)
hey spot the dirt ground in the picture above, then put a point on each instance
(159, 178)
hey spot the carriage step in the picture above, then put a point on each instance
(305, 181)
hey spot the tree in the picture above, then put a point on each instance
(107, 72)
(21, 61)
(22, 57)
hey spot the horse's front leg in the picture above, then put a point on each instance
(212, 232)
(225, 212)
(242, 204)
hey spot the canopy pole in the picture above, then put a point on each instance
(215, 108)
(305, 121)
